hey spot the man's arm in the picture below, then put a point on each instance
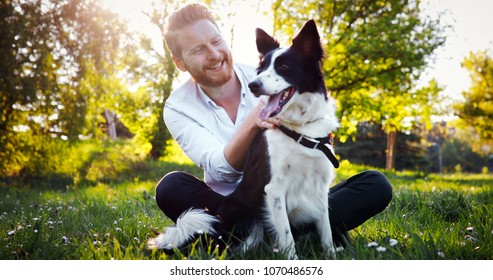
(222, 162)
(237, 148)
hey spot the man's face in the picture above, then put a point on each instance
(205, 54)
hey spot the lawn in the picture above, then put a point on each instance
(100, 205)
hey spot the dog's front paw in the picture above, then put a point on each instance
(331, 250)
(291, 253)
(293, 257)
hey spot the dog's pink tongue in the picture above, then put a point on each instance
(271, 106)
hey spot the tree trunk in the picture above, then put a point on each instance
(391, 147)
(161, 134)
(111, 123)
(159, 138)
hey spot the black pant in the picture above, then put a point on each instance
(351, 202)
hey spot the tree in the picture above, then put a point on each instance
(462, 148)
(375, 51)
(164, 74)
(25, 61)
(477, 109)
(411, 148)
(91, 42)
(436, 137)
(403, 112)
(54, 56)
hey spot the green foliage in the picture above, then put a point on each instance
(26, 64)
(418, 149)
(375, 53)
(368, 147)
(30, 159)
(457, 153)
(477, 108)
(58, 58)
(142, 121)
(462, 149)
(162, 75)
(63, 64)
(60, 164)
(375, 50)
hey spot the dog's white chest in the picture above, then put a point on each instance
(301, 175)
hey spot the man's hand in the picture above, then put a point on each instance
(237, 148)
(269, 123)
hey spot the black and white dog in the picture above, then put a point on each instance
(289, 170)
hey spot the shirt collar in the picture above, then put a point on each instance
(206, 98)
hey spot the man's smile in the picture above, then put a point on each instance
(216, 66)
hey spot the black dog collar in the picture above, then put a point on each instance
(321, 143)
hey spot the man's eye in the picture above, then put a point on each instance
(198, 51)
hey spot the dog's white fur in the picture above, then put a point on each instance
(299, 186)
(191, 222)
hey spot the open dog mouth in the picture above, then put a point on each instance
(276, 102)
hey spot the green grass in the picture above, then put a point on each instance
(100, 205)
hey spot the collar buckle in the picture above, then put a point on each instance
(308, 142)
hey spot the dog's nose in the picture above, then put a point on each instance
(254, 86)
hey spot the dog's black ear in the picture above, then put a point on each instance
(307, 41)
(265, 43)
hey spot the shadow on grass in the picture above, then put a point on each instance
(99, 170)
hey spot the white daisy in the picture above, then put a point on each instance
(393, 242)
(381, 249)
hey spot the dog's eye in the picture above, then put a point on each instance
(283, 67)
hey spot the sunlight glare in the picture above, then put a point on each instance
(242, 18)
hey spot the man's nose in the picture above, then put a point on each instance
(213, 53)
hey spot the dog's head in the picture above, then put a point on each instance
(285, 74)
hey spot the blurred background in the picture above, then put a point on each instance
(83, 82)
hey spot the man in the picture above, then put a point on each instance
(214, 118)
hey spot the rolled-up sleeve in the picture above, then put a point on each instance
(201, 146)
(219, 168)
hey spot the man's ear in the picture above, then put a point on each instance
(179, 63)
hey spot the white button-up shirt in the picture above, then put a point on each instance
(202, 128)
